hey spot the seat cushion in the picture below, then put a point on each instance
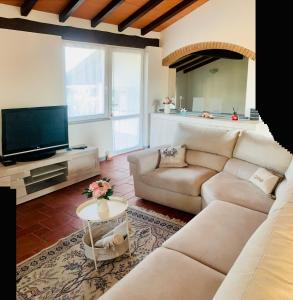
(216, 236)
(264, 268)
(184, 180)
(164, 275)
(229, 188)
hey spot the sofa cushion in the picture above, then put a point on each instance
(164, 275)
(227, 187)
(172, 157)
(263, 151)
(240, 168)
(184, 180)
(204, 159)
(265, 180)
(216, 236)
(207, 139)
(264, 268)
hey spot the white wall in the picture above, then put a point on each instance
(156, 85)
(221, 90)
(31, 69)
(230, 21)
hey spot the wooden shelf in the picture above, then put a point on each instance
(31, 180)
(48, 169)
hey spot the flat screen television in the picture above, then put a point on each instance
(33, 133)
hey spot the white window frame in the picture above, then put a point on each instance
(95, 117)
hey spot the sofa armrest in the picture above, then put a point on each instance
(144, 161)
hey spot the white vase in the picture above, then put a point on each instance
(103, 208)
(167, 108)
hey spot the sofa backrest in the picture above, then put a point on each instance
(262, 151)
(263, 270)
(284, 192)
(206, 146)
(240, 168)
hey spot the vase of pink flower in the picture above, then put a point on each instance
(101, 190)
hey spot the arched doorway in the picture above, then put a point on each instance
(184, 51)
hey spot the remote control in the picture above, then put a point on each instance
(79, 147)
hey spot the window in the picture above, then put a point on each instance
(126, 82)
(85, 83)
(126, 99)
(104, 81)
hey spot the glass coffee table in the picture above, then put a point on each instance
(90, 213)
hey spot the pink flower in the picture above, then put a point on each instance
(99, 188)
(98, 193)
(93, 186)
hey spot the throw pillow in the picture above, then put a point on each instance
(265, 180)
(172, 157)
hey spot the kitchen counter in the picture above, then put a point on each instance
(163, 126)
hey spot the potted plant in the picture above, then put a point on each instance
(102, 191)
(234, 116)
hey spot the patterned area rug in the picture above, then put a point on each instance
(63, 272)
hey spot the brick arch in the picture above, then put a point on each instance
(171, 58)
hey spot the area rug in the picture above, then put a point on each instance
(63, 272)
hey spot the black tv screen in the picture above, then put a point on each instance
(35, 129)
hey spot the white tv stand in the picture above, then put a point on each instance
(37, 178)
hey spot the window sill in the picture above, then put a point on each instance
(91, 120)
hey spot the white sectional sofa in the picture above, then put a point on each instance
(239, 245)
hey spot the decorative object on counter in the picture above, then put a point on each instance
(234, 117)
(254, 115)
(207, 115)
(180, 102)
(183, 111)
(169, 103)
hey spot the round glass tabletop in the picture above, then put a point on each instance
(89, 210)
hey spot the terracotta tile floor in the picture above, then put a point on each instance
(43, 221)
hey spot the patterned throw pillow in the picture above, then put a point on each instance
(172, 157)
(265, 180)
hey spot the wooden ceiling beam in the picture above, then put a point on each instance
(69, 9)
(27, 6)
(221, 53)
(192, 63)
(105, 12)
(201, 64)
(138, 14)
(183, 60)
(166, 16)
